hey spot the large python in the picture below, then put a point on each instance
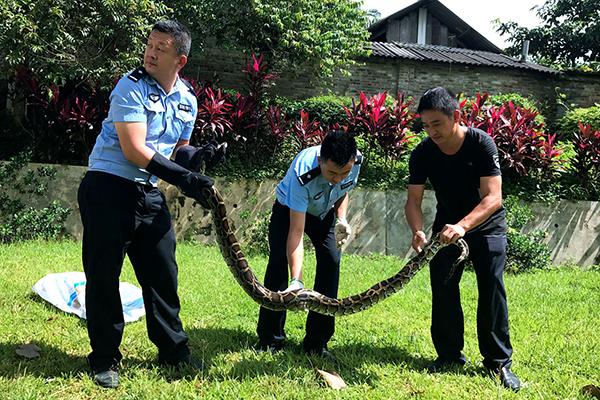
(306, 299)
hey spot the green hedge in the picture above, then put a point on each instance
(526, 102)
(327, 109)
(18, 185)
(590, 115)
(525, 252)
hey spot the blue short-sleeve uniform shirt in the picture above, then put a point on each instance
(303, 189)
(137, 97)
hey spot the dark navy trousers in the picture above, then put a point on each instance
(319, 328)
(123, 217)
(488, 255)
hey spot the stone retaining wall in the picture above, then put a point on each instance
(572, 228)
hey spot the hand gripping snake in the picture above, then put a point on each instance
(306, 299)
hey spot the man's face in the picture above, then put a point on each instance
(160, 56)
(438, 125)
(332, 172)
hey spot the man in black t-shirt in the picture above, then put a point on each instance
(462, 166)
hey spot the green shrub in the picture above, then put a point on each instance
(525, 252)
(568, 123)
(256, 237)
(19, 222)
(517, 99)
(517, 212)
(326, 109)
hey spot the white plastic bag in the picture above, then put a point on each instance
(66, 291)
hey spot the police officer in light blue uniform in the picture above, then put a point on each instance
(312, 198)
(304, 189)
(152, 112)
(169, 116)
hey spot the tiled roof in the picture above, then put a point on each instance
(425, 52)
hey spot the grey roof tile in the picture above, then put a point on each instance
(445, 54)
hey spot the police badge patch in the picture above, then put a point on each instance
(184, 107)
(154, 97)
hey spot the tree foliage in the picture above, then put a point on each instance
(96, 40)
(568, 38)
(75, 40)
(320, 35)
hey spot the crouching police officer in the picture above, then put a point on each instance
(152, 111)
(311, 198)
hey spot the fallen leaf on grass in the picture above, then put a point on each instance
(28, 350)
(332, 379)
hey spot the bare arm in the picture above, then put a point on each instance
(414, 215)
(491, 200)
(341, 207)
(132, 138)
(295, 245)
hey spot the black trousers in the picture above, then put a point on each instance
(319, 328)
(122, 217)
(488, 254)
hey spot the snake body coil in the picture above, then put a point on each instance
(306, 299)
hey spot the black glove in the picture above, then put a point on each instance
(190, 183)
(193, 158)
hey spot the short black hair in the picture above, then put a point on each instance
(339, 147)
(438, 99)
(181, 34)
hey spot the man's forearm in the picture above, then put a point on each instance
(414, 217)
(486, 207)
(295, 254)
(341, 207)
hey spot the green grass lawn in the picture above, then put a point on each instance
(382, 352)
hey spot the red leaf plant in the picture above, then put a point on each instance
(213, 120)
(307, 133)
(257, 75)
(384, 129)
(586, 163)
(523, 146)
(278, 123)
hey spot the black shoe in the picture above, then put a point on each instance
(508, 379)
(107, 379)
(444, 364)
(272, 346)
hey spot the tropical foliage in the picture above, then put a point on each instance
(569, 36)
(74, 41)
(320, 36)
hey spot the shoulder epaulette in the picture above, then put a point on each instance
(137, 74)
(358, 159)
(189, 86)
(309, 176)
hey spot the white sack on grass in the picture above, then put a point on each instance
(66, 290)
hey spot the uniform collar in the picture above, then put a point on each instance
(179, 85)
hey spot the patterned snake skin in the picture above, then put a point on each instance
(306, 299)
